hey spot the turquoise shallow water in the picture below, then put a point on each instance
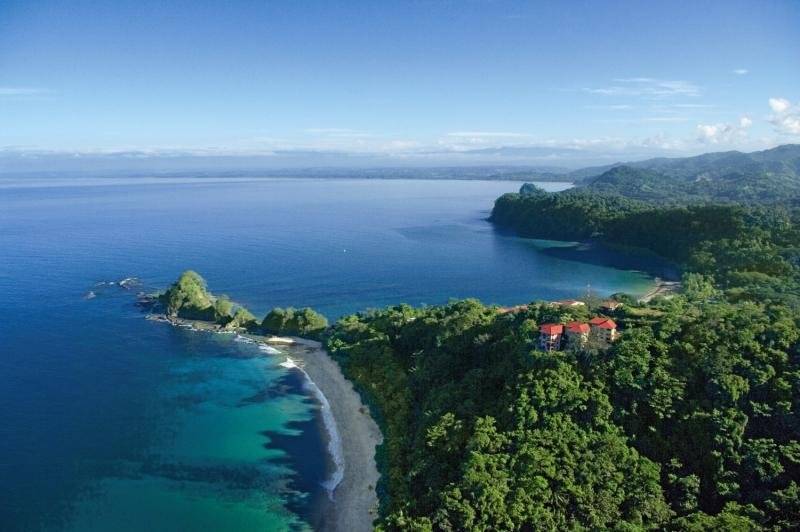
(213, 467)
(113, 422)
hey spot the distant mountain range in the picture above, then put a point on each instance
(762, 177)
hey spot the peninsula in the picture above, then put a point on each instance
(352, 433)
(678, 411)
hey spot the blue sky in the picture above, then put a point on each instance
(558, 83)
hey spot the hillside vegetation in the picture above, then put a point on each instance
(189, 298)
(760, 177)
(748, 251)
(690, 421)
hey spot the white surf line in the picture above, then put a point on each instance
(243, 339)
(269, 349)
(334, 439)
(289, 363)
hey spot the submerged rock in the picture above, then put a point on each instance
(146, 301)
(129, 283)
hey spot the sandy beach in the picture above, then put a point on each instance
(354, 501)
(661, 288)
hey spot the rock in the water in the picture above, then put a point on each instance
(129, 282)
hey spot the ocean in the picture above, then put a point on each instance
(112, 422)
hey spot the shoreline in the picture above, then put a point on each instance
(661, 288)
(608, 254)
(352, 502)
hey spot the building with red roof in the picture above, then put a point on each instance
(578, 327)
(550, 336)
(577, 333)
(604, 329)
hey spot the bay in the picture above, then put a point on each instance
(111, 421)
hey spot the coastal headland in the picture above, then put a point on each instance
(294, 336)
(352, 503)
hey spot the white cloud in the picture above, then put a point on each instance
(779, 105)
(665, 119)
(663, 142)
(741, 71)
(486, 134)
(447, 148)
(724, 133)
(337, 132)
(470, 140)
(791, 124)
(787, 123)
(786, 117)
(692, 105)
(325, 130)
(617, 107)
(22, 91)
(708, 131)
(402, 145)
(647, 88)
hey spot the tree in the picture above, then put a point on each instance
(305, 322)
(223, 310)
(189, 298)
(276, 320)
(243, 318)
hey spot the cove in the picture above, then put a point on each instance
(110, 419)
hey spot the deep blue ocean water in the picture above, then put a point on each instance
(109, 421)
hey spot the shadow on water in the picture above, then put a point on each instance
(617, 258)
(600, 254)
(306, 454)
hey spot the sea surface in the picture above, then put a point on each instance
(112, 422)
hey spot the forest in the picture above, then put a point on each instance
(761, 177)
(690, 421)
(749, 251)
(189, 298)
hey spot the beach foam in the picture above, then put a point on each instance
(334, 439)
(268, 349)
(289, 363)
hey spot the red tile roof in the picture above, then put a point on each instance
(578, 327)
(551, 328)
(603, 323)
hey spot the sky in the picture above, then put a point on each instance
(395, 83)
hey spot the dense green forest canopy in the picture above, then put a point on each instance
(304, 322)
(189, 298)
(690, 421)
(749, 251)
(767, 176)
